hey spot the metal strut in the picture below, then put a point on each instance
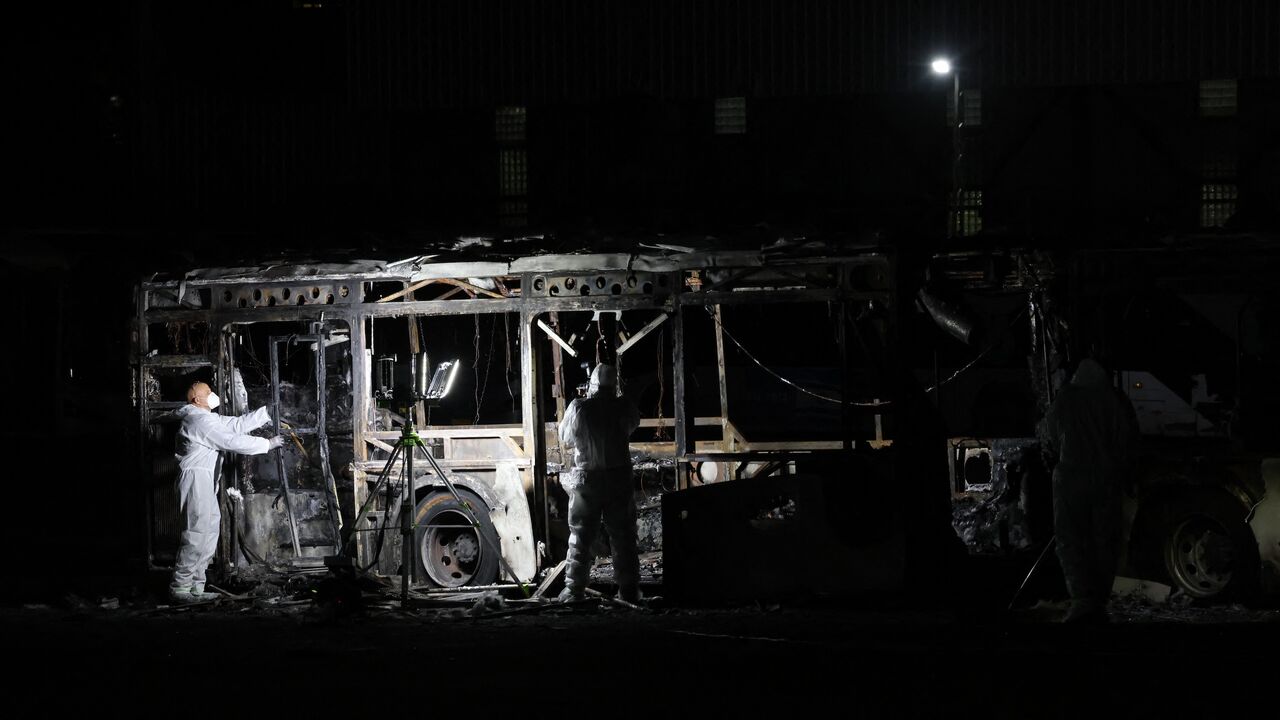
(284, 477)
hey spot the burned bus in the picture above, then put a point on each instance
(772, 363)
(1186, 327)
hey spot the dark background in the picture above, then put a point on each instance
(138, 137)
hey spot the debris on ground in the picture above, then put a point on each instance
(490, 602)
(649, 527)
(552, 576)
(1181, 608)
(1152, 592)
(650, 569)
(616, 601)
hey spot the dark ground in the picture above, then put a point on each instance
(952, 653)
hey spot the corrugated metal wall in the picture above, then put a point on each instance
(463, 52)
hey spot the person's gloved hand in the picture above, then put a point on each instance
(275, 442)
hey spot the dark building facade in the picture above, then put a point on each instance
(1104, 118)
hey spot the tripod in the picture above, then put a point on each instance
(404, 451)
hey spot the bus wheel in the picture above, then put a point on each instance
(1209, 552)
(451, 552)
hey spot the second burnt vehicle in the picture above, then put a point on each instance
(1188, 328)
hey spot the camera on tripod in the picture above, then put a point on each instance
(432, 391)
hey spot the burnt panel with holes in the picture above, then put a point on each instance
(1000, 495)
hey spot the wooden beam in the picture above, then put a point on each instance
(700, 422)
(684, 418)
(401, 293)
(469, 287)
(459, 284)
(720, 373)
(535, 442)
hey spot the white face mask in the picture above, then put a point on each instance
(213, 400)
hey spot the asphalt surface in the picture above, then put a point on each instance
(114, 655)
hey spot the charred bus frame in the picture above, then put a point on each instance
(530, 288)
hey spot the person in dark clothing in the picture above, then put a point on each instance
(1091, 428)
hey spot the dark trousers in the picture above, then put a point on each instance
(1086, 518)
(602, 494)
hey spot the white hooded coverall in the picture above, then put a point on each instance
(599, 428)
(202, 436)
(1091, 427)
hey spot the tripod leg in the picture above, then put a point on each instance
(1031, 572)
(364, 509)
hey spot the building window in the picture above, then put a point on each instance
(1217, 203)
(513, 213)
(731, 116)
(1219, 166)
(509, 124)
(509, 129)
(1218, 98)
(513, 172)
(966, 212)
(972, 102)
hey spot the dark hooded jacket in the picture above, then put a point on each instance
(1090, 427)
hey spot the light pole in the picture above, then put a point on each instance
(943, 66)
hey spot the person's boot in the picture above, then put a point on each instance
(197, 591)
(630, 594)
(182, 594)
(568, 595)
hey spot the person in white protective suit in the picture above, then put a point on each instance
(598, 428)
(1091, 429)
(202, 436)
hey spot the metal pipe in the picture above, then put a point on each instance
(469, 588)
(275, 414)
(406, 520)
(322, 438)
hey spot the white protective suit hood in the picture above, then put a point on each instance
(599, 425)
(603, 376)
(1090, 374)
